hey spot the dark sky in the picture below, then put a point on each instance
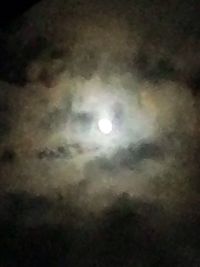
(69, 195)
(12, 10)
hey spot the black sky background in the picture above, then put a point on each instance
(130, 232)
(12, 10)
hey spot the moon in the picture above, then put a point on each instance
(105, 126)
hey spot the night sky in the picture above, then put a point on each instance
(99, 133)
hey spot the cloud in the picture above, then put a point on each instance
(76, 59)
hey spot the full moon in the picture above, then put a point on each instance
(105, 126)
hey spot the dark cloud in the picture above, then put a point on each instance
(60, 152)
(16, 55)
(8, 156)
(129, 232)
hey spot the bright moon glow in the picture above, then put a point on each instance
(105, 126)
